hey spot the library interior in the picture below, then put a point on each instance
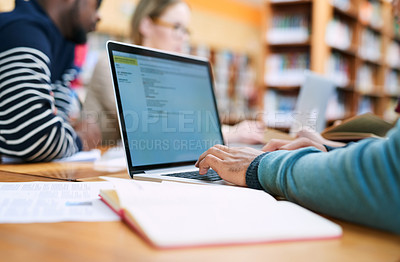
(263, 55)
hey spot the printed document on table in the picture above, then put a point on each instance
(37, 202)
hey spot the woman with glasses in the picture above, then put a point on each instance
(161, 24)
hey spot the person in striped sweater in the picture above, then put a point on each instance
(36, 66)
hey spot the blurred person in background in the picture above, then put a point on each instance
(36, 66)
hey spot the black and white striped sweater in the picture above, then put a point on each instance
(35, 70)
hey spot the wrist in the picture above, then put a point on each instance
(252, 173)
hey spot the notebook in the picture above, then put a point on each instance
(178, 215)
(167, 112)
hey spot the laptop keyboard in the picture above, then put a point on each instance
(210, 176)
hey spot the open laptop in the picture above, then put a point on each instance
(310, 110)
(167, 112)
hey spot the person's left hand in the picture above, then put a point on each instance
(230, 163)
(89, 133)
(281, 144)
(246, 132)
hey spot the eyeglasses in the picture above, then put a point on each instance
(178, 28)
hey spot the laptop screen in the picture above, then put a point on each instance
(166, 106)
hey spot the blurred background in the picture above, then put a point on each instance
(259, 50)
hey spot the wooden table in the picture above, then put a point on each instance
(114, 241)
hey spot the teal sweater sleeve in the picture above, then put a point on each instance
(360, 183)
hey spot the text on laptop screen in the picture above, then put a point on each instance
(168, 108)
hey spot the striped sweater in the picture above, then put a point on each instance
(36, 66)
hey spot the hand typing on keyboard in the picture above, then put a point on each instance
(230, 163)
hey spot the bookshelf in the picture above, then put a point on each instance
(353, 42)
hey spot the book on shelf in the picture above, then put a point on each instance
(392, 86)
(370, 45)
(370, 12)
(176, 215)
(338, 34)
(338, 70)
(357, 128)
(344, 5)
(286, 69)
(289, 28)
(279, 108)
(392, 54)
(365, 79)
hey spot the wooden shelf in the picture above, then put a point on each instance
(394, 96)
(376, 63)
(377, 30)
(370, 94)
(294, 2)
(291, 45)
(348, 88)
(352, 51)
(352, 14)
(285, 88)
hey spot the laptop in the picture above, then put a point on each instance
(167, 112)
(310, 109)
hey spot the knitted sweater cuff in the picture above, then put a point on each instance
(252, 173)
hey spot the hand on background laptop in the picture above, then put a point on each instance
(313, 135)
(245, 132)
(305, 138)
(230, 163)
(89, 133)
(282, 144)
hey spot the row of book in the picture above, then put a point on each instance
(365, 79)
(344, 5)
(370, 45)
(392, 84)
(365, 105)
(278, 108)
(393, 55)
(289, 28)
(339, 34)
(337, 69)
(371, 13)
(366, 76)
(235, 80)
(286, 69)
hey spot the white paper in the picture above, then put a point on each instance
(82, 156)
(37, 202)
(111, 161)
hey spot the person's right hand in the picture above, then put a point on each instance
(281, 144)
(231, 163)
(318, 138)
